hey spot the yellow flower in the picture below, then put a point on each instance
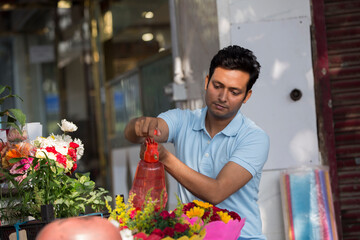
(225, 217)
(195, 212)
(202, 204)
(195, 228)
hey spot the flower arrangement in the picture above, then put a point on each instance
(61, 148)
(219, 223)
(40, 173)
(195, 220)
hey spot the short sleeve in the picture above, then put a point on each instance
(172, 118)
(252, 152)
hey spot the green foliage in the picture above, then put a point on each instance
(47, 184)
(15, 117)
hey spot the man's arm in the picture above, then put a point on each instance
(140, 128)
(230, 179)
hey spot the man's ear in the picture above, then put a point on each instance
(207, 81)
(248, 95)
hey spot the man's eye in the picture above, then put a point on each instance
(216, 86)
(235, 93)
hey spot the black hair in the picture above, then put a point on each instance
(236, 58)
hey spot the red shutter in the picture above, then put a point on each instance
(342, 22)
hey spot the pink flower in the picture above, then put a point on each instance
(15, 170)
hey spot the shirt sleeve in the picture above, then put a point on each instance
(252, 152)
(172, 118)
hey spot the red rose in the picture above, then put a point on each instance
(51, 149)
(188, 206)
(73, 145)
(172, 215)
(154, 237)
(206, 215)
(216, 209)
(158, 232)
(140, 235)
(215, 217)
(181, 227)
(168, 231)
(61, 159)
(74, 168)
(165, 215)
(234, 215)
(72, 154)
(133, 214)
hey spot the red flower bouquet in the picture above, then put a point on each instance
(196, 220)
(219, 223)
(151, 223)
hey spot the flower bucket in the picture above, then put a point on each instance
(220, 230)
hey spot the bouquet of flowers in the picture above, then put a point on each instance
(219, 223)
(195, 220)
(61, 148)
(39, 173)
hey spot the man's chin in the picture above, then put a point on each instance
(221, 115)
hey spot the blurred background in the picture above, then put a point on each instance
(99, 63)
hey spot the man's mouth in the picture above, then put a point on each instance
(219, 106)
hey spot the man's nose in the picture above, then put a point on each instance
(223, 95)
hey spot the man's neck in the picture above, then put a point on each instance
(215, 125)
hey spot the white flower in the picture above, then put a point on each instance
(126, 234)
(69, 165)
(40, 153)
(80, 149)
(67, 126)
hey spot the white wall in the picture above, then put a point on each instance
(278, 32)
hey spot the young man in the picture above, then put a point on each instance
(219, 152)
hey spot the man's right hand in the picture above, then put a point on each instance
(147, 127)
(140, 128)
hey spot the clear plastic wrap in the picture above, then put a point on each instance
(307, 204)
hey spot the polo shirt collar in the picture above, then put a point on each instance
(231, 130)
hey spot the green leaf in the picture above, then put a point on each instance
(18, 115)
(89, 183)
(108, 198)
(82, 207)
(2, 88)
(59, 201)
(12, 124)
(14, 160)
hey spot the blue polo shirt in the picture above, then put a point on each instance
(242, 142)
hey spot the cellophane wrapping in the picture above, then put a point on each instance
(307, 204)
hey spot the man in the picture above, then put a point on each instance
(219, 152)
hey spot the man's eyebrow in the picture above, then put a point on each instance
(216, 81)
